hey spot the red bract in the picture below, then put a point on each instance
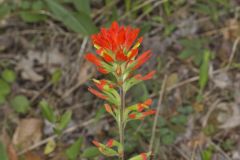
(92, 58)
(144, 156)
(142, 59)
(146, 77)
(97, 93)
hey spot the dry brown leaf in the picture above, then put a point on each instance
(229, 120)
(52, 59)
(31, 156)
(198, 107)
(12, 154)
(172, 80)
(28, 132)
(222, 80)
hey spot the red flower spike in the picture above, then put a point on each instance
(108, 108)
(133, 53)
(115, 40)
(110, 143)
(97, 93)
(96, 143)
(144, 156)
(92, 58)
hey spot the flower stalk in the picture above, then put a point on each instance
(121, 120)
(117, 54)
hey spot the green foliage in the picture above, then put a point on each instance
(192, 48)
(139, 157)
(211, 8)
(9, 75)
(5, 9)
(73, 151)
(90, 152)
(31, 11)
(5, 88)
(78, 22)
(139, 92)
(3, 153)
(31, 17)
(210, 129)
(82, 6)
(203, 75)
(59, 122)
(228, 144)
(169, 129)
(207, 153)
(56, 76)
(47, 111)
(20, 104)
(65, 119)
(2, 100)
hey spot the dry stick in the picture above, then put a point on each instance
(233, 51)
(154, 6)
(157, 113)
(220, 150)
(69, 130)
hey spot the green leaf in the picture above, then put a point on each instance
(56, 76)
(25, 5)
(4, 88)
(47, 111)
(90, 152)
(3, 153)
(32, 17)
(185, 110)
(9, 75)
(140, 92)
(207, 154)
(2, 99)
(82, 6)
(139, 157)
(4, 10)
(179, 119)
(65, 119)
(168, 139)
(81, 23)
(203, 75)
(50, 147)
(161, 121)
(73, 151)
(20, 104)
(37, 5)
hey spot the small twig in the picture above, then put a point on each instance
(220, 150)
(69, 130)
(154, 6)
(157, 113)
(235, 44)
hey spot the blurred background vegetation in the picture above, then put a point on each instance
(43, 75)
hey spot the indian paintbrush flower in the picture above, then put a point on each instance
(118, 54)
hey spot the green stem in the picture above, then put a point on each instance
(121, 120)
